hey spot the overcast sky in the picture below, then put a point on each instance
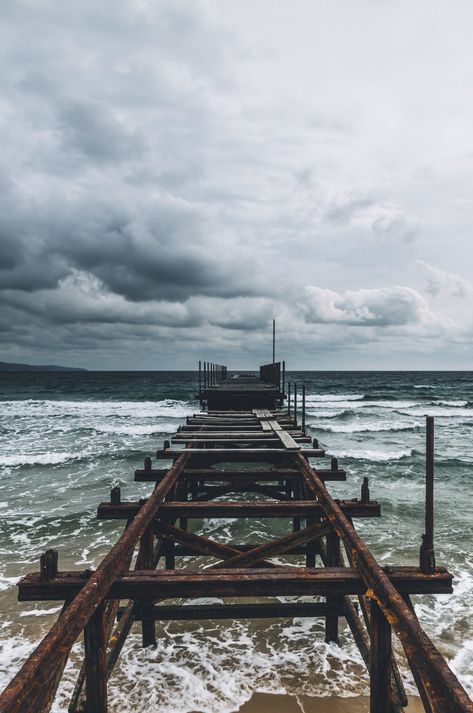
(173, 175)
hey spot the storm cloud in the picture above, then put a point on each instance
(178, 174)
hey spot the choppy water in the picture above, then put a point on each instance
(67, 438)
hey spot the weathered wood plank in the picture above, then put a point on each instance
(278, 581)
(211, 474)
(250, 508)
(276, 547)
(239, 453)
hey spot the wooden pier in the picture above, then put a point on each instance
(246, 456)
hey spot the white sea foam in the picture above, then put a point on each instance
(135, 430)
(365, 405)
(368, 454)
(462, 665)
(7, 582)
(138, 409)
(368, 426)
(19, 459)
(393, 404)
(445, 411)
(322, 398)
(40, 612)
(315, 408)
(216, 667)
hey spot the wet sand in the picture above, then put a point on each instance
(268, 703)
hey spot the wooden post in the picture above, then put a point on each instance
(380, 664)
(289, 398)
(427, 554)
(200, 379)
(274, 340)
(296, 521)
(147, 556)
(170, 557)
(295, 405)
(303, 409)
(95, 646)
(332, 560)
(311, 547)
(283, 377)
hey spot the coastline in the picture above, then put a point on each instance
(276, 703)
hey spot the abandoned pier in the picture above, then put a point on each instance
(245, 454)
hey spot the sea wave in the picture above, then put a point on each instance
(7, 582)
(374, 455)
(19, 459)
(322, 398)
(369, 427)
(439, 411)
(170, 408)
(135, 430)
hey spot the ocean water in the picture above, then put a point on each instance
(67, 438)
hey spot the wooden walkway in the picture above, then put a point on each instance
(240, 463)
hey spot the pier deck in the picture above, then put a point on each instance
(244, 457)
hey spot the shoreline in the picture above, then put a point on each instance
(285, 703)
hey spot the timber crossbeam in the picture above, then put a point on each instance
(279, 581)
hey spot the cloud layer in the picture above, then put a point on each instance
(179, 174)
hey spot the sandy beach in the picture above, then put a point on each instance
(268, 703)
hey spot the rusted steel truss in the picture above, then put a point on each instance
(336, 564)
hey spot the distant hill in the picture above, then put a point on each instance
(5, 366)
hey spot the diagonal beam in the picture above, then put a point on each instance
(440, 682)
(200, 544)
(276, 547)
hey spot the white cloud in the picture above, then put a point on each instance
(385, 307)
(442, 282)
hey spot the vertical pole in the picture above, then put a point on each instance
(289, 398)
(205, 375)
(296, 521)
(311, 547)
(170, 556)
(283, 377)
(295, 404)
(95, 645)
(380, 664)
(303, 408)
(427, 554)
(332, 560)
(274, 341)
(148, 628)
(200, 379)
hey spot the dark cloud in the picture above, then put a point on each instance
(179, 173)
